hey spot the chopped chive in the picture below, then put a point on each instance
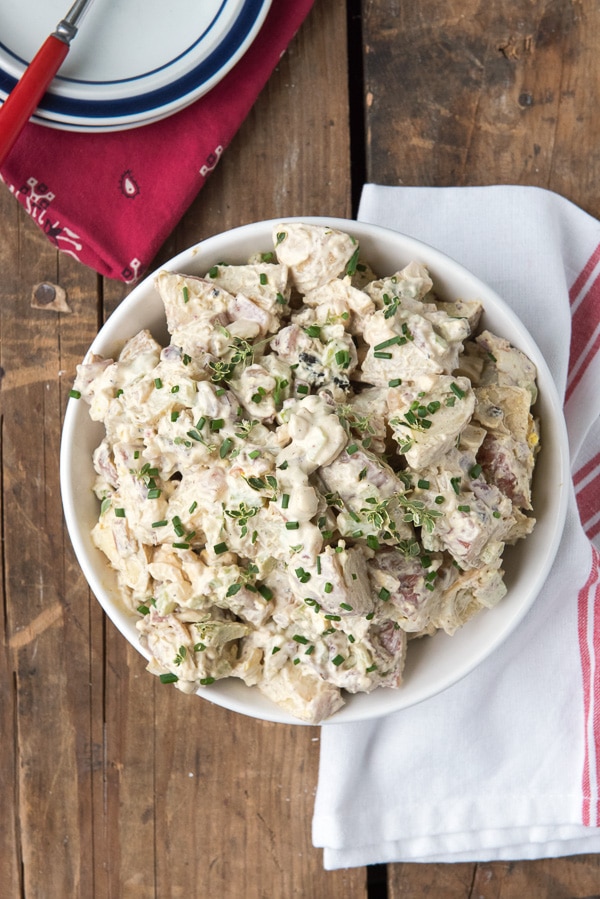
(331, 617)
(168, 678)
(263, 278)
(302, 388)
(193, 507)
(75, 394)
(328, 587)
(423, 484)
(154, 493)
(254, 454)
(455, 484)
(351, 449)
(158, 383)
(160, 524)
(233, 589)
(475, 471)
(120, 513)
(184, 545)
(384, 594)
(395, 382)
(337, 661)
(285, 500)
(275, 649)
(300, 639)
(265, 592)
(464, 508)
(186, 293)
(382, 355)
(371, 668)
(220, 548)
(342, 357)
(216, 424)
(205, 681)
(344, 605)
(174, 415)
(386, 343)
(352, 263)
(457, 390)
(439, 500)
(313, 330)
(292, 525)
(372, 542)
(225, 447)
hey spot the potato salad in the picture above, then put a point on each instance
(324, 464)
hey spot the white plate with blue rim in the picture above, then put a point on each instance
(133, 61)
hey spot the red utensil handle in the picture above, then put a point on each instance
(24, 98)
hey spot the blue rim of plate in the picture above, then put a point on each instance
(153, 101)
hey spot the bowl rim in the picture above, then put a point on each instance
(232, 693)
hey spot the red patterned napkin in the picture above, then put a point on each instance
(111, 199)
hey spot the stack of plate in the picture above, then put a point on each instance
(133, 61)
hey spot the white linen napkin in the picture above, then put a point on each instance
(506, 763)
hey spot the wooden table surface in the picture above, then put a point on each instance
(111, 784)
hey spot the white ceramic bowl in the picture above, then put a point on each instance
(434, 663)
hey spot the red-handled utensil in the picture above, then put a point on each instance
(24, 98)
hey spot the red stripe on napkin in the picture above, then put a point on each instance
(584, 298)
(586, 470)
(587, 493)
(112, 199)
(589, 641)
(584, 275)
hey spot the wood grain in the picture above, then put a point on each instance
(115, 785)
(472, 92)
(112, 784)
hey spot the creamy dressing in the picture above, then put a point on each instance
(319, 464)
